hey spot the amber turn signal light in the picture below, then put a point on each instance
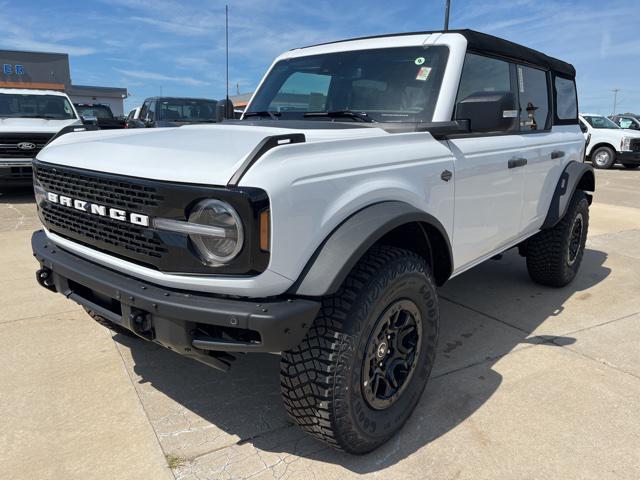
(265, 227)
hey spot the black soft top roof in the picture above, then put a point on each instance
(486, 43)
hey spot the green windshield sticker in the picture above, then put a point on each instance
(419, 61)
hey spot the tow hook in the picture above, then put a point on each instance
(141, 323)
(45, 279)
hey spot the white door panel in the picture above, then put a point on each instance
(488, 203)
(548, 154)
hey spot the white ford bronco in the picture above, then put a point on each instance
(28, 120)
(364, 174)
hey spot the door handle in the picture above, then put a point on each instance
(517, 162)
(557, 154)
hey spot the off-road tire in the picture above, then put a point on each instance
(631, 166)
(611, 157)
(549, 258)
(109, 324)
(321, 379)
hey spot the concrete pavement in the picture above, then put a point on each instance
(530, 382)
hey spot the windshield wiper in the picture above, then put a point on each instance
(263, 113)
(362, 116)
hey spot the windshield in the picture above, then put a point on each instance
(16, 105)
(187, 110)
(387, 85)
(600, 122)
(98, 111)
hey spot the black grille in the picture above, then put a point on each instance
(9, 144)
(162, 250)
(635, 144)
(92, 229)
(97, 189)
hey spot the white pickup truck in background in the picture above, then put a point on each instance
(28, 120)
(608, 144)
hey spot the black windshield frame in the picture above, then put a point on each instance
(395, 85)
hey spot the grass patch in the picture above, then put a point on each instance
(174, 461)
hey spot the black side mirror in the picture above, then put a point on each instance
(583, 128)
(224, 110)
(488, 111)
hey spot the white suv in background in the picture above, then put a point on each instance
(28, 120)
(607, 143)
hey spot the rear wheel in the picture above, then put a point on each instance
(554, 255)
(603, 157)
(359, 373)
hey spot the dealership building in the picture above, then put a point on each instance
(39, 70)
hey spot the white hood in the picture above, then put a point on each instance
(34, 125)
(206, 154)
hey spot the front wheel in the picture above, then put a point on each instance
(359, 373)
(554, 255)
(603, 157)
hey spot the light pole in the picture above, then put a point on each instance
(615, 100)
(446, 14)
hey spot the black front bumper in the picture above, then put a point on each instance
(629, 157)
(194, 324)
(16, 172)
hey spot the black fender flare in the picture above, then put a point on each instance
(341, 250)
(575, 175)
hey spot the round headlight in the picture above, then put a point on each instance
(225, 240)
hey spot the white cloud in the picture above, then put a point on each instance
(159, 77)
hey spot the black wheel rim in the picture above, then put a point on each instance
(576, 238)
(391, 354)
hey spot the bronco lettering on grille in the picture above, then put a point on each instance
(101, 210)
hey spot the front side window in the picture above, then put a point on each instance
(625, 122)
(53, 107)
(144, 112)
(600, 122)
(566, 99)
(534, 98)
(483, 74)
(382, 85)
(628, 122)
(187, 110)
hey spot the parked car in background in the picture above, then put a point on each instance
(629, 121)
(608, 144)
(99, 114)
(174, 112)
(134, 114)
(28, 120)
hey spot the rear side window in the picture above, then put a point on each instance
(566, 99)
(534, 98)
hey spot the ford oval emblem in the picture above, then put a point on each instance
(26, 146)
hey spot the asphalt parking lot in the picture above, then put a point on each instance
(530, 382)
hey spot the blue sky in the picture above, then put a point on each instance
(177, 47)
